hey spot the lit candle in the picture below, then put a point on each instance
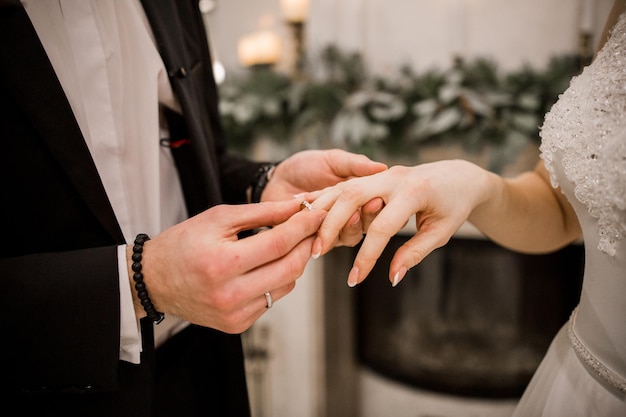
(295, 11)
(259, 48)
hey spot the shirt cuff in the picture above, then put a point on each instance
(130, 331)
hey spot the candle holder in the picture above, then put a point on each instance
(295, 13)
(299, 65)
(262, 67)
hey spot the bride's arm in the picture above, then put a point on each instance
(526, 213)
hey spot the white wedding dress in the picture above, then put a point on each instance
(584, 148)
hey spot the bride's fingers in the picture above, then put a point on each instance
(352, 232)
(343, 217)
(388, 222)
(418, 247)
(323, 199)
(331, 193)
(313, 195)
(369, 211)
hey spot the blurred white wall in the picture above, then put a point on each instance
(421, 33)
(389, 33)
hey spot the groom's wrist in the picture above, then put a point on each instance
(259, 182)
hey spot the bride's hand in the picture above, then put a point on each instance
(441, 195)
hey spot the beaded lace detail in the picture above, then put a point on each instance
(587, 129)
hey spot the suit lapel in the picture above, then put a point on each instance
(184, 50)
(32, 81)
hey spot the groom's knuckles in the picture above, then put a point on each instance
(307, 221)
(296, 260)
(249, 216)
(277, 244)
(284, 237)
(271, 213)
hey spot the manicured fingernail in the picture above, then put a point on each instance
(297, 196)
(353, 276)
(317, 248)
(398, 277)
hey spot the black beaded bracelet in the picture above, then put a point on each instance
(140, 286)
(260, 180)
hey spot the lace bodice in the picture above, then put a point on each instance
(585, 131)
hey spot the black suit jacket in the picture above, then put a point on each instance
(59, 291)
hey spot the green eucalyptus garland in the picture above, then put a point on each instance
(472, 104)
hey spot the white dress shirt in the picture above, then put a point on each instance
(107, 63)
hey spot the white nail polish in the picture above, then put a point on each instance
(353, 276)
(398, 276)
